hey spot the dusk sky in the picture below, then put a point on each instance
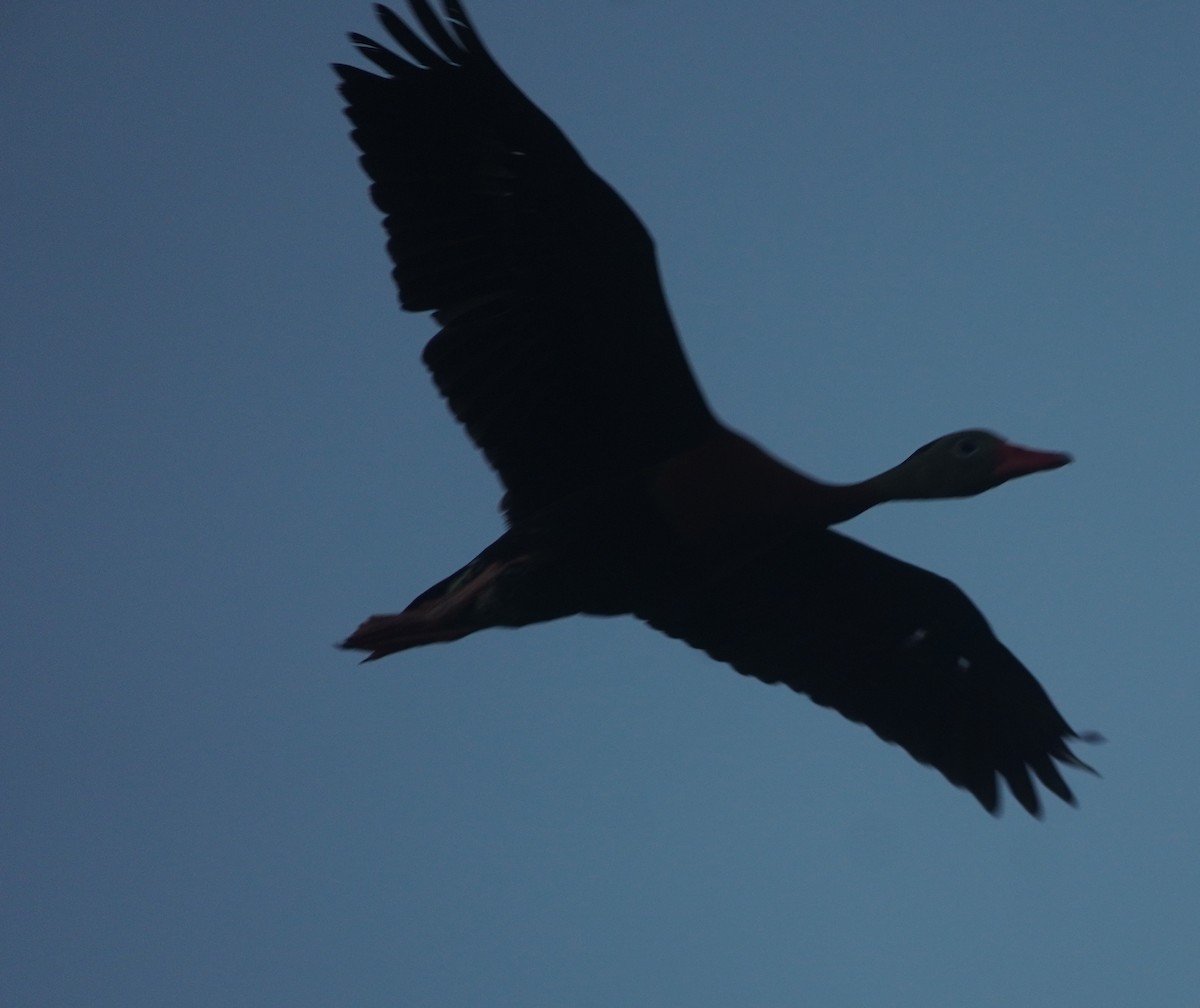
(877, 222)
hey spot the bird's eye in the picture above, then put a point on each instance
(966, 448)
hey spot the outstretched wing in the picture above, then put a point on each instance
(889, 645)
(557, 350)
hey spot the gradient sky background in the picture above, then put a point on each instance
(877, 222)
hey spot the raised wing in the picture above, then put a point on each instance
(889, 645)
(557, 350)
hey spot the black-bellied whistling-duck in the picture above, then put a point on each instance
(623, 493)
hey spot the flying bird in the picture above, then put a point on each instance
(623, 493)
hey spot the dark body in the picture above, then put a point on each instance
(623, 492)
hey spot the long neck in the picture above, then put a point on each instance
(730, 478)
(848, 500)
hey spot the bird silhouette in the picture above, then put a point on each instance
(623, 493)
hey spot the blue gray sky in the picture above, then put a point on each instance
(877, 222)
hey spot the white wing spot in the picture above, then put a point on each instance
(915, 638)
(964, 663)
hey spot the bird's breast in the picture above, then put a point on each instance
(730, 486)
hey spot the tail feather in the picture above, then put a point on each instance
(386, 634)
(504, 586)
(447, 611)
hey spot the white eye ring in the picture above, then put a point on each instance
(966, 448)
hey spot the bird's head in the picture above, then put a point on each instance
(964, 464)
